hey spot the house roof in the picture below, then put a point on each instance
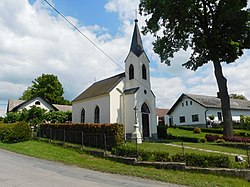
(101, 87)
(136, 44)
(213, 102)
(14, 104)
(160, 112)
(131, 91)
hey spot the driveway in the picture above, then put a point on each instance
(23, 171)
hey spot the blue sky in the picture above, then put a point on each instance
(35, 40)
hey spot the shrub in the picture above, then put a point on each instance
(220, 141)
(202, 140)
(16, 132)
(197, 130)
(142, 154)
(93, 135)
(212, 137)
(198, 160)
(162, 131)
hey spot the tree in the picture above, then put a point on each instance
(237, 96)
(48, 87)
(216, 30)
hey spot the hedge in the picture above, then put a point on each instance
(184, 138)
(191, 159)
(144, 155)
(213, 138)
(93, 135)
(15, 132)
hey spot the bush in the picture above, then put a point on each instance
(197, 130)
(144, 155)
(212, 137)
(92, 135)
(162, 131)
(202, 140)
(220, 141)
(198, 160)
(16, 132)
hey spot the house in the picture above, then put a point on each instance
(161, 115)
(125, 98)
(17, 105)
(195, 110)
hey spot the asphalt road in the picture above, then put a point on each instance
(23, 171)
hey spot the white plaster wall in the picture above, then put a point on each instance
(89, 106)
(129, 113)
(43, 104)
(116, 104)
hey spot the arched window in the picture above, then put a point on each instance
(131, 72)
(37, 103)
(144, 72)
(83, 116)
(97, 115)
(145, 109)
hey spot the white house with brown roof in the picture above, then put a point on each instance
(125, 98)
(192, 109)
(15, 105)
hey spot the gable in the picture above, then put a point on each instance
(101, 87)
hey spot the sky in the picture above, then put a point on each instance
(35, 40)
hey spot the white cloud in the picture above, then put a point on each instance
(35, 41)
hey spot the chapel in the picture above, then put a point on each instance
(125, 98)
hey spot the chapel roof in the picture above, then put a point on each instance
(14, 104)
(101, 87)
(213, 102)
(136, 44)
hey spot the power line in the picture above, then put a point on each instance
(94, 43)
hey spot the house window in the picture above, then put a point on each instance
(186, 103)
(97, 115)
(191, 102)
(131, 72)
(182, 104)
(182, 119)
(195, 118)
(37, 103)
(219, 116)
(83, 116)
(144, 72)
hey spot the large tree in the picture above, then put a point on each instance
(48, 87)
(216, 30)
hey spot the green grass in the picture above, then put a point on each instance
(186, 133)
(71, 157)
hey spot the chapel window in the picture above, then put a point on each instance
(144, 72)
(37, 103)
(83, 116)
(131, 72)
(97, 115)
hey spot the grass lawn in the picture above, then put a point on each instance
(71, 157)
(186, 133)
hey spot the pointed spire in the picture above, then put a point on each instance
(136, 44)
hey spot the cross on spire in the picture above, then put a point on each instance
(136, 12)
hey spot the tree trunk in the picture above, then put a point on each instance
(225, 101)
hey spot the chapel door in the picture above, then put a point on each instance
(145, 120)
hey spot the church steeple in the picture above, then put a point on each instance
(136, 44)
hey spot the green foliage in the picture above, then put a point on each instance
(211, 117)
(217, 31)
(142, 154)
(197, 130)
(95, 135)
(237, 96)
(198, 160)
(162, 131)
(57, 116)
(35, 115)
(202, 140)
(48, 87)
(15, 132)
(11, 117)
(220, 141)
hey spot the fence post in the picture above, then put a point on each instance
(105, 144)
(183, 152)
(64, 136)
(82, 139)
(50, 134)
